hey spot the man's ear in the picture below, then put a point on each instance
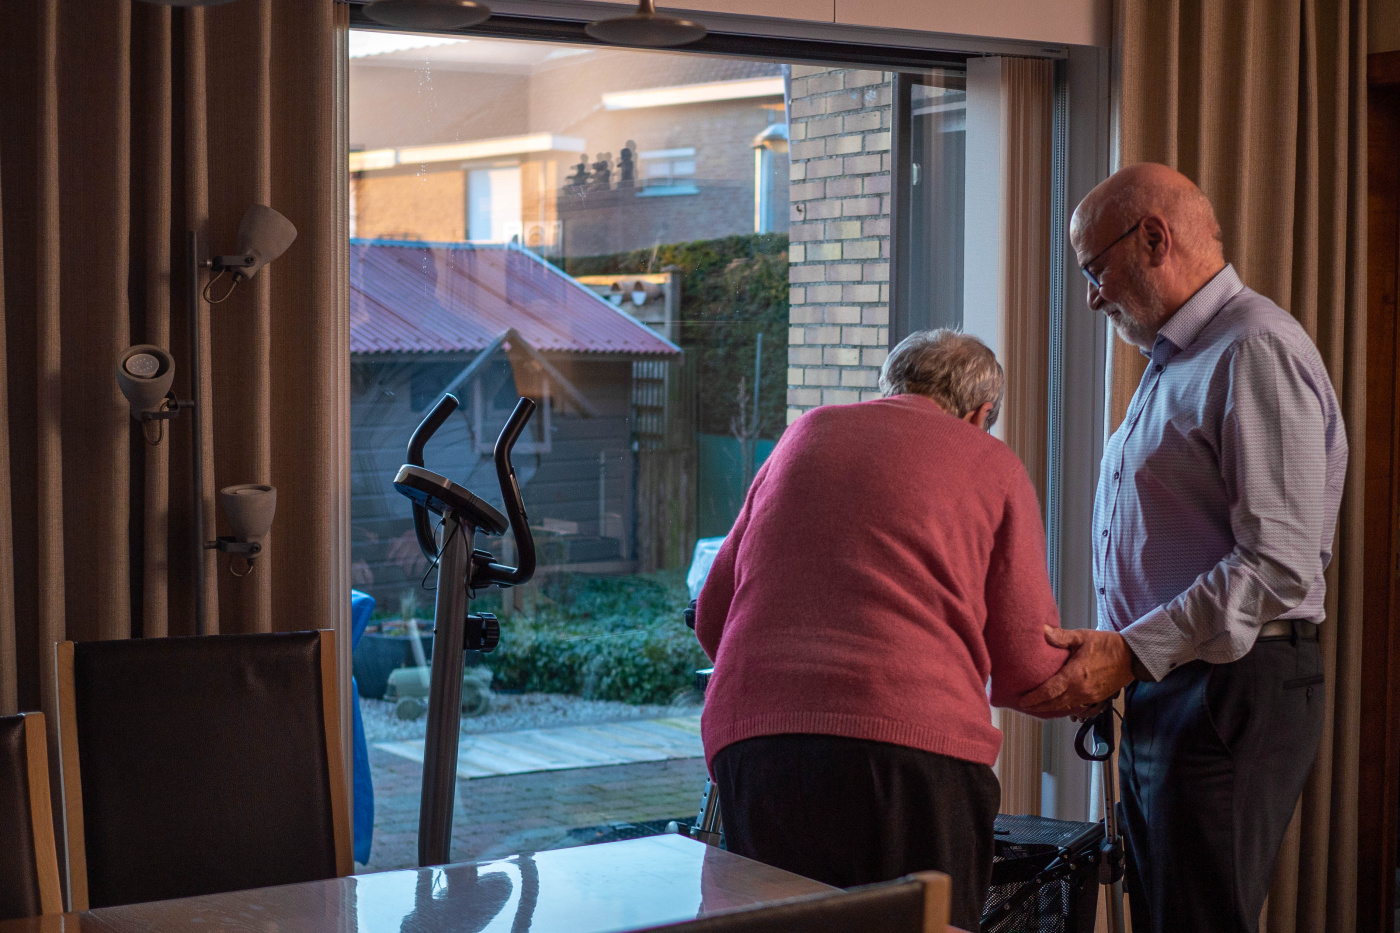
(979, 415)
(1159, 238)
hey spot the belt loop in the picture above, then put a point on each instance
(1295, 633)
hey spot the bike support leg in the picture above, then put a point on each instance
(445, 695)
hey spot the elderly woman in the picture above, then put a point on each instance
(888, 560)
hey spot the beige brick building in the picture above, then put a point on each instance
(840, 234)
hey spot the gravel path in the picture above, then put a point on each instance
(511, 711)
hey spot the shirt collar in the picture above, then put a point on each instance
(1186, 324)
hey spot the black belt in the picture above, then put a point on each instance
(1291, 629)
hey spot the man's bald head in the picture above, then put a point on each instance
(1150, 240)
(1148, 188)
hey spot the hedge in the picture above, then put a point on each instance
(731, 289)
(604, 638)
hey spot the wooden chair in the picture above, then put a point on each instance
(914, 904)
(200, 765)
(28, 859)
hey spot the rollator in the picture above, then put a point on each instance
(1096, 849)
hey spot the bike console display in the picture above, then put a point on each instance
(440, 495)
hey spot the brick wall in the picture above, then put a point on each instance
(840, 234)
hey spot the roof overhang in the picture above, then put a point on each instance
(475, 150)
(743, 89)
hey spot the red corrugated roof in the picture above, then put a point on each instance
(410, 297)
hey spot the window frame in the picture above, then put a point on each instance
(1079, 340)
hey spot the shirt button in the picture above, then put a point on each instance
(1115, 474)
(1159, 367)
(1105, 532)
(1100, 591)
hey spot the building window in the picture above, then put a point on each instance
(668, 171)
(493, 204)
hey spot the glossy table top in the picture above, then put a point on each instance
(602, 888)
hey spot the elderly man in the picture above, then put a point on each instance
(1213, 523)
(889, 558)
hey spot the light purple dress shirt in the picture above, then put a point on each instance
(1218, 495)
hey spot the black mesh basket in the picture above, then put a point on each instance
(1067, 901)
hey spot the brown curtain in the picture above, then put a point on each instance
(1027, 87)
(122, 126)
(1262, 103)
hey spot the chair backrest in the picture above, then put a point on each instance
(200, 765)
(914, 904)
(28, 859)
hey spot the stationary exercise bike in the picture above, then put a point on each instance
(462, 571)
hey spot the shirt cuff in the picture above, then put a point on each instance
(1160, 646)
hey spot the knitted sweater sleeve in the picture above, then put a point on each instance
(1019, 599)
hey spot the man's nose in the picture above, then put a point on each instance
(1095, 297)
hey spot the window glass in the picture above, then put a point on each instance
(674, 255)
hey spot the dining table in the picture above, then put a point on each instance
(603, 888)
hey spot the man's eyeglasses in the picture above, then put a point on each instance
(1093, 277)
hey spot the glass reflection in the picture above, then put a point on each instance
(463, 899)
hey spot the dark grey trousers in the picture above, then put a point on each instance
(850, 812)
(1213, 761)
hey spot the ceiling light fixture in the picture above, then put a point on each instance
(427, 14)
(646, 29)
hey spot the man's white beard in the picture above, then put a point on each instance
(1140, 330)
(1133, 331)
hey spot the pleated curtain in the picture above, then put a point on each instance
(1262, 103)
(1027, 108)
(122, 126)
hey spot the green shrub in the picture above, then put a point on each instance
(604, 638)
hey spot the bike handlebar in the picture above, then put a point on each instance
(500, 574)
(491, 573)
(422, 521)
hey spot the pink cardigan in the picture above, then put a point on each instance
(889, 558)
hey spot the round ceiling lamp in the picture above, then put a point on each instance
(646, 29)
(427, 14)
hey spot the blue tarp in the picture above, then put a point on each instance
(361, 608)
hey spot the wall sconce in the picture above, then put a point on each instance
(249, 509)
(146, 372)
(263, 235)
(646, 29)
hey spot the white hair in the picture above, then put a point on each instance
(956, 370)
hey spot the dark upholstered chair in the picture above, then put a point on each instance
(913, 904)
(28, 860)
(200, 765)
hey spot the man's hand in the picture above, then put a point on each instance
(1099, 665)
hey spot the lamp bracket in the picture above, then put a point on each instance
(221, 263)
(172, 410)
(225, 543)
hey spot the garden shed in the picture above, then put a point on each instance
(489, 323)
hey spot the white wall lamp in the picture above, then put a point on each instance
(146, 372)
(646, 29)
